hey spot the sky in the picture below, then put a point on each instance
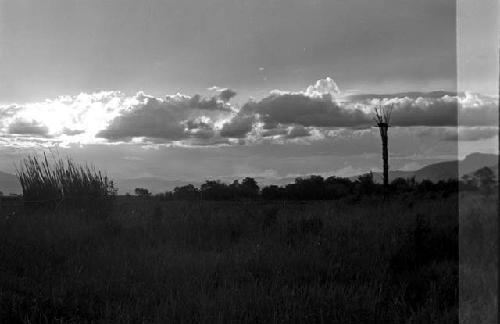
(229, 88)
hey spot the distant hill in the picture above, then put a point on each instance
(9, 184)
(446, 170)
(476, 161)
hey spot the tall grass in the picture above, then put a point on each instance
(478, 258)
(62, 182)
(233, 262)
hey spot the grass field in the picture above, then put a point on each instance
(232, 262)
(478, 259)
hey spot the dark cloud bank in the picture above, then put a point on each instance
(172, 119)
(33, 128)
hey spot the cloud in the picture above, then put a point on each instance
(72, 132)
(462, 133)
(21, 127)
(238, 127)
(312, 113)
(326, 87)
(424, 111)
(226, 94)
(198, 102)
(286, 132)
(436, 109)
(150, 120)
(477, 110)
(410, 94)
(323, 106)
(174, 118)
(78, 117)
(306, 111)
(113, 116)
(413, 110)
(199, 129)
(318, 111)
(9, 111)
(274, 132)
(323, 87)
(214, 88)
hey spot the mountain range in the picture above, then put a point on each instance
(446, 170)
(434, 172)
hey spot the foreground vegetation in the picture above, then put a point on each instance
(316, 251)
(263, 262)
(478, 259)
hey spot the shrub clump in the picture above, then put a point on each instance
(63, 182)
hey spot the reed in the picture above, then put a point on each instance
(62, 182)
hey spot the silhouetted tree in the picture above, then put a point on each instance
(366, 185)
(187, 192)
(486, 179)
(249, 188)
(168, 195)
(468, 183)
(310, 188)
(336, 187)
(142, 192)
(215, 190)
(425, 186)
(272, 192)
(401, 185)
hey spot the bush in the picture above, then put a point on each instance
(142, 192)
(62, 182)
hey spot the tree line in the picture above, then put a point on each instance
(318, 188)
